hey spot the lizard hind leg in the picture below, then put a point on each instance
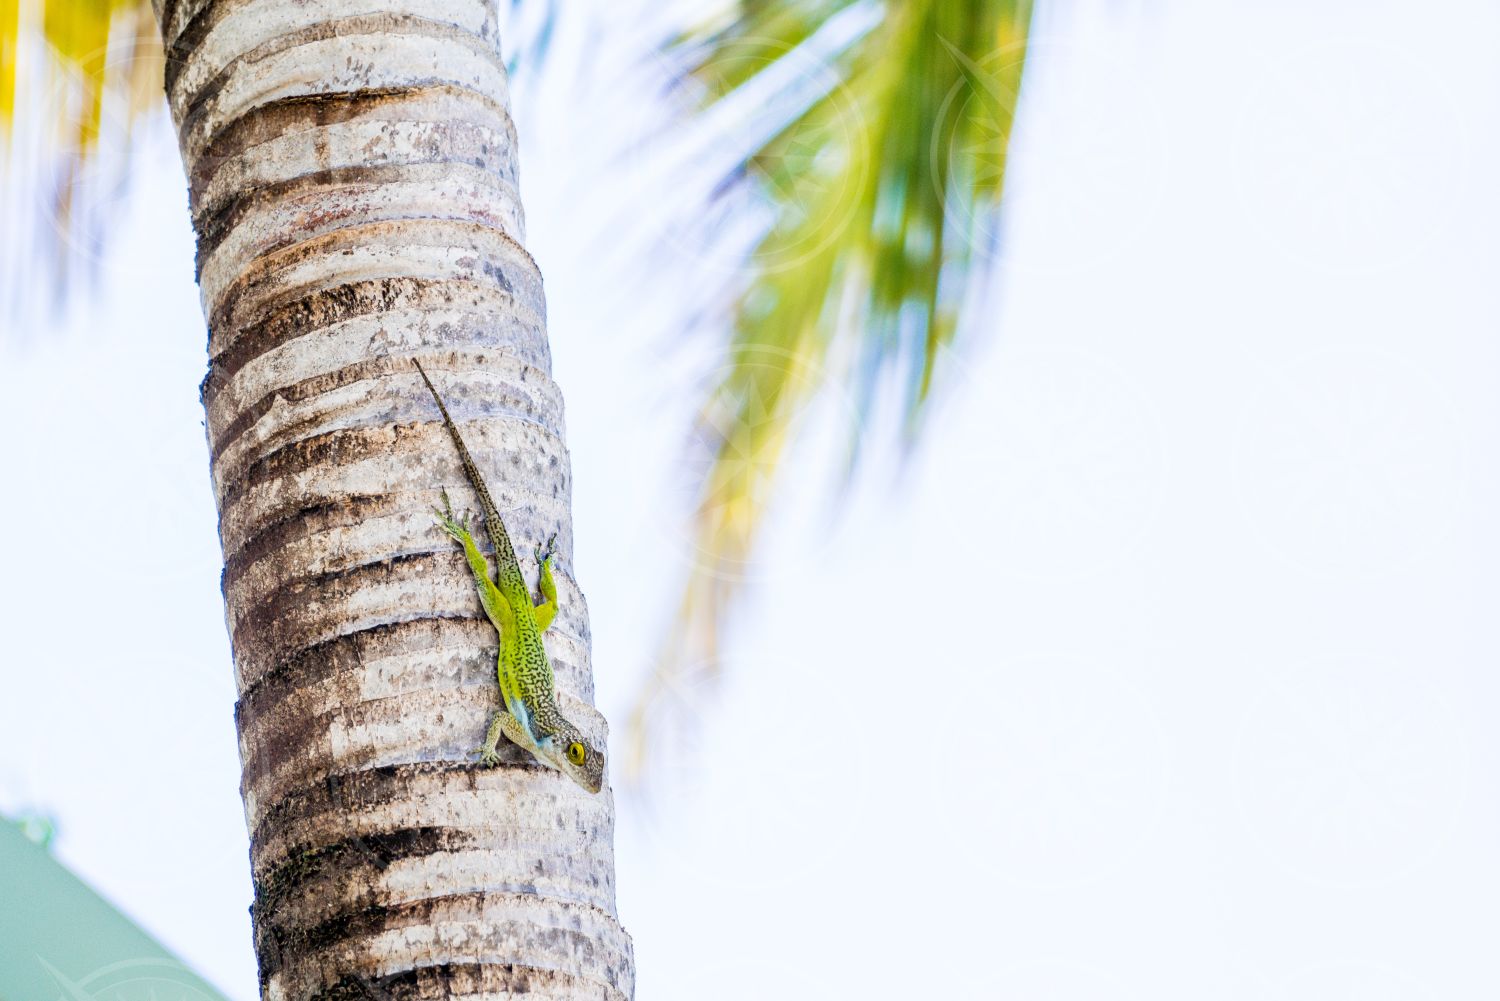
(546, 611)
(495, 605)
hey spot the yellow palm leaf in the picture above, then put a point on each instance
(71, 75)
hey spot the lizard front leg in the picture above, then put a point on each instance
(503, 723)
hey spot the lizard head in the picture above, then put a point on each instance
(571, 753)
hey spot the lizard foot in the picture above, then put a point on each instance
(543, 555)
(487, 758)
(458, 528)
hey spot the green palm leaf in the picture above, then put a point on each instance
(883, 187)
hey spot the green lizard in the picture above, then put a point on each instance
(530, 716)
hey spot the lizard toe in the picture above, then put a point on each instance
(487, 758)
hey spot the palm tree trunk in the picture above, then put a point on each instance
(352, 174)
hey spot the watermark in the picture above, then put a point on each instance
(132, 980)
(1090, 126)
(1350, 462)
(767, 173)
(1046, 979)
(1070, 476)
(1350, 155)
(1350, 772)
(1056, 781)
(746, 460)
(97, 107)
(748, 768)
(1353, 978)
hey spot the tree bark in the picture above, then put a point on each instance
(352, 176)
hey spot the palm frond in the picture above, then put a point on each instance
(528, 31)
(10, 30)
(883, 191)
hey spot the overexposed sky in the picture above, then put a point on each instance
(1166, 669)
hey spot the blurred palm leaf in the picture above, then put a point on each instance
(74, 79)
(883, 183)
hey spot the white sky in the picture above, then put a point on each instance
(1167, 669)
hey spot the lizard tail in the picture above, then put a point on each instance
(503, 549)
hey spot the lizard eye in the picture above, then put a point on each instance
(576, 753)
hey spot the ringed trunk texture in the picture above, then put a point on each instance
(352, 172)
